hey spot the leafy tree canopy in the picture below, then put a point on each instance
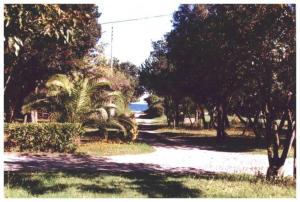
(42, 40)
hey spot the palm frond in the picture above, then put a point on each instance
(119, 125)
(95, 117)
(81, 96)
(58, 83)
(34, 105)
(127, 121)
(96, 85)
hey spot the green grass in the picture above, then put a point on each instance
(102, 148)
(93, 144)
(142, 185)
(235, 142)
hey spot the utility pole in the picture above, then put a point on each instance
(111, 48)
(111, 60)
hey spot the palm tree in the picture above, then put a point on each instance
(70, 100)
(83, 100)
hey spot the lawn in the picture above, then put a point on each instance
(235, 142)
(142, 185)
(102, 148)
(92, 143)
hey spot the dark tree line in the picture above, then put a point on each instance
(231, 59)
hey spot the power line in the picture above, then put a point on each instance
(135, 19)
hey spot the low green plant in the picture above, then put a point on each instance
(54, 137)
(155, 110)
(127, 126)
(152, 99)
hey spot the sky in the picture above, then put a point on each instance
(132, 40)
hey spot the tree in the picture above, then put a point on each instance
(157, 76)
(78, 99)
(123, 76)
(70, 99)
(234, 59)
(42, 40)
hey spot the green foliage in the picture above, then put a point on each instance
(231, 58)
(84, 100)
(236, 58)
(73, 99)
(54, 137)
(123, 76)
(152, 99)
(155, 106)
(42, 40)
(127, 126)
(131, 126)
(155, 110)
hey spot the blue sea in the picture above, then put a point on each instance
(138, 107)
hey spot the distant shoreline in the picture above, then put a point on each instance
(138, 106)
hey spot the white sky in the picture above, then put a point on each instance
(132, 40)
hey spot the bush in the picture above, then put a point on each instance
(131, 127)
(155, 110)
(54, 137)
(127, 126)
(152, 99)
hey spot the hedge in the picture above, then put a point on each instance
(54, 137)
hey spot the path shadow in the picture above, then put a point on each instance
(236, 143)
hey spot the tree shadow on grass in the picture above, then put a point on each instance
(149, 180)
(33, 186)
(98, 189)
(236, 143)
(148, 184)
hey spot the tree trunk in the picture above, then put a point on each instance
(190, 119)
(294, 170)
(211, 121)
(11, 114)
(169, 121)
(221, 134)
(34, 116)
(276, 163)
(25, 118)
(256, 128)
(202, 115)
(196, 118)
(177, 116)
(253, 125)
(226, 120)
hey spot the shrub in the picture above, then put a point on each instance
(152, 99)
(155, 110)
(55, 137)
(127, 126)
(131, 127)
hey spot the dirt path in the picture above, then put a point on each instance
(169, 156)
(182, 154)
